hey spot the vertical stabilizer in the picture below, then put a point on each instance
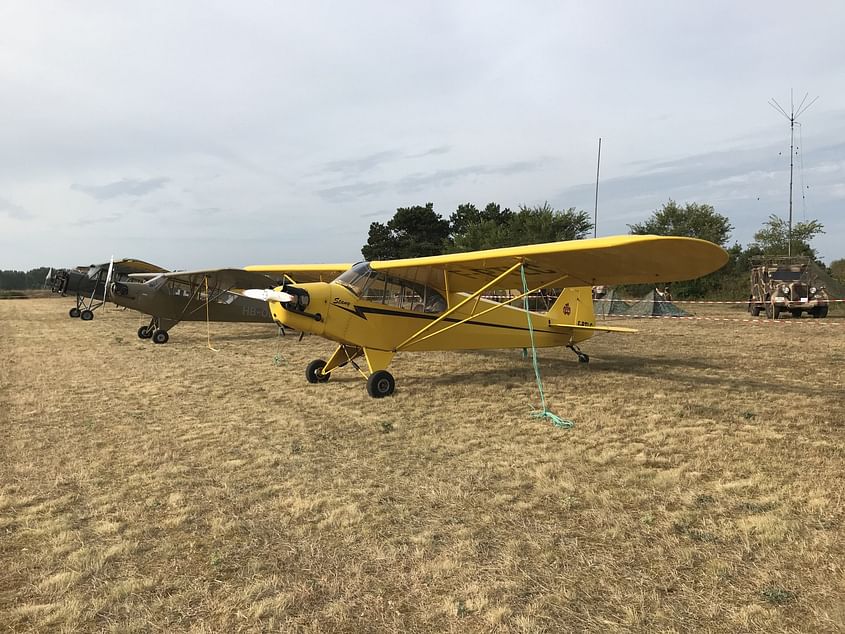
(574, 307)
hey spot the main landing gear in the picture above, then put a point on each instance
(380, 382)
(84, 315)
(153, 332)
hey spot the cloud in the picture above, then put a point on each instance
(417, 182)
(372, 161)
(96, 220)
(14, 211)
(124, 187)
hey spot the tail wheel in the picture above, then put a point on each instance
(160, 336)
(74, 312)
(380, 384)
(314, 372)
(86, 315)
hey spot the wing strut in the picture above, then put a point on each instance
(416, 338)
(413, 338)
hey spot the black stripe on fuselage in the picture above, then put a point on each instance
(360, 311)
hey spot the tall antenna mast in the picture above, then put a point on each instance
(791, 117)
(596, 210)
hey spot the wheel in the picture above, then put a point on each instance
(380, 384)
(145, 333)
(74, 312)
(796, 314)
(160, 336)
(314, 372)
(583, 358)
(776, 311)
(768, 311)
(755, 311)
(86, 315)
(819, 311)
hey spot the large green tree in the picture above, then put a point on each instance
(773, 238)
(693, 220)
(412, 232)
(496, 227)
(837, 269)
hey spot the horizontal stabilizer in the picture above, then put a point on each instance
(594, 328)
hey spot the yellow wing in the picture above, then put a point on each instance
(599, 261)
(301, 273)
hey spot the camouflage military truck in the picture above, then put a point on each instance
(786, 285)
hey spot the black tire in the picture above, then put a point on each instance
(776, 312)
(314, 372)
(820, 311)
(145, 333)
(160, 336)
(769, 312)
(796, 314)
(380, 384)
(86, 315)
(755, 311)
(74, 312)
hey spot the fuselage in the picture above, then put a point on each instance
(177, 303)
(336, 312)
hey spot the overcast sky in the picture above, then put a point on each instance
(204, 134)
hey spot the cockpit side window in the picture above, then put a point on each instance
(378, 287)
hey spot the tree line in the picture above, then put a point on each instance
(23, 280)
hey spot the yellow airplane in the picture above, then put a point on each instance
(376, 309)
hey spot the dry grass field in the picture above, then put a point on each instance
(150, 488)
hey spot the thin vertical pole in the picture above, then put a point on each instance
(596, 210)
(791, 158)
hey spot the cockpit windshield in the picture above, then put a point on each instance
(355, 278)
(377, 286)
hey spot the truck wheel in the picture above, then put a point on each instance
(776, 312)
(820, 311)
(755, 311)
(796, 314)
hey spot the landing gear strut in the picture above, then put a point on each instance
(582, 357)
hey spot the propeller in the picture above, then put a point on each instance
(108, 280)
(268, 295)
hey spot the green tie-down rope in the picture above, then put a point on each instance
(557, 421)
